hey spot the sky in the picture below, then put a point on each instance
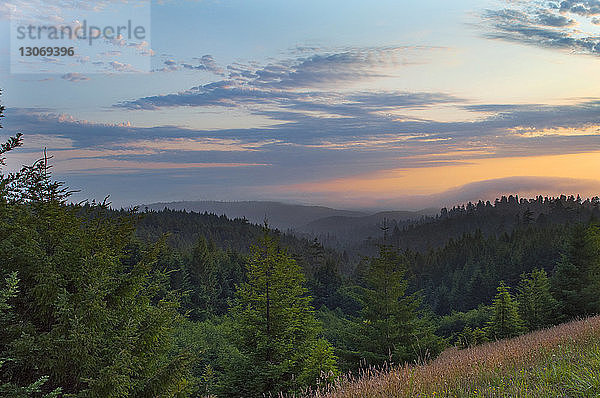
(351, 104)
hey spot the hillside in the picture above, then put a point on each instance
(347, 230)
(495, 219)
(279, 215)
(562, 361)
(358, 233)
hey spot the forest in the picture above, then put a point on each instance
(102, 302)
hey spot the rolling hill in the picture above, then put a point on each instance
(279, 215)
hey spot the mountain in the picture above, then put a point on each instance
(355, 229)
(279, 215)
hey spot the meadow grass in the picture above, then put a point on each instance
(563, 361)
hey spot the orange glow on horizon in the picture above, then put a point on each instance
(436, 179)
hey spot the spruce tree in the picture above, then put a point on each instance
(274, 328)
(576, 280)
(202, 276)
(9, 330)
(505, 321)
(391, 328)
(537, 306)
(591, 290)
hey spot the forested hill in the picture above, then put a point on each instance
(279, 215)
(229, 224)
(184, 229)
(502, 216)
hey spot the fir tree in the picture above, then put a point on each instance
(576, 280)
(202, 273)
(505, 321)
(391, 328)
(537, 306)
(591, 290)
(275, 329)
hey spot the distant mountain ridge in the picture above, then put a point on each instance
(333, 227)
(279, 215)
(357, 228)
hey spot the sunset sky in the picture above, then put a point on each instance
(354, 104)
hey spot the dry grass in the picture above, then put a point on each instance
(562, 361)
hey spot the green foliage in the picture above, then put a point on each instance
(320, 368)
(93, 323)
(8, 389)
(202, 277)
(576, 279)
(505, 321)
(391, 330)
(343, 332)
(591, 290)
(567, 286)
(325, 285)
(274, 328)
(537, 306)
(471, 337)
(209, 344)
(465, 272)
(451, 326)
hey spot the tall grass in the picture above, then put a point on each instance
(563, 361)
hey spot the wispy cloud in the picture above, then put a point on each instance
(75, 77)
(545, 24)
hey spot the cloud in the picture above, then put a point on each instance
(108, 166)
(547, 18)
(305, 144)
(526, 187)
(75, 77)
(316, 70)
(200, 144)
(545, 24)
(523, 186)
(298, 85)
(121, 67)
(580, 7)
(204, 63)
(229, 94)
(44, 9)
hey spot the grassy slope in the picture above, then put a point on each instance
(563, 361)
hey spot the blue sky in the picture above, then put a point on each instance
(387, 104)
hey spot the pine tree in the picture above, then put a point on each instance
(391, 328)
(537, 306)
(9, 331)
(505, 321)
(275, 329)
(591, 290)
(325, 283)
(567, 285)
(202, 275)
(576, 280)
